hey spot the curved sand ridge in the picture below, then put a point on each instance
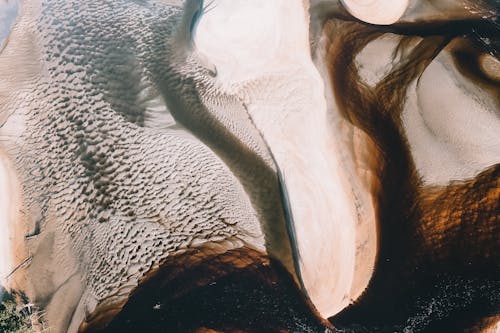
(269, 65)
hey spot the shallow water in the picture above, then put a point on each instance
(8, 13)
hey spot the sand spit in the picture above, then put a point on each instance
(270, 67)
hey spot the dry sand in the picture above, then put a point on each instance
(269, 65)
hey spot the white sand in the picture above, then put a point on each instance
(11, 252)
(376, 11)
(246, 39)
(376, 59)
(261, 50)
(452, 125)
(6, 202)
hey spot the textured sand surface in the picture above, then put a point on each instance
(106, 196)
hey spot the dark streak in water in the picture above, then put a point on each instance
(457, 273)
